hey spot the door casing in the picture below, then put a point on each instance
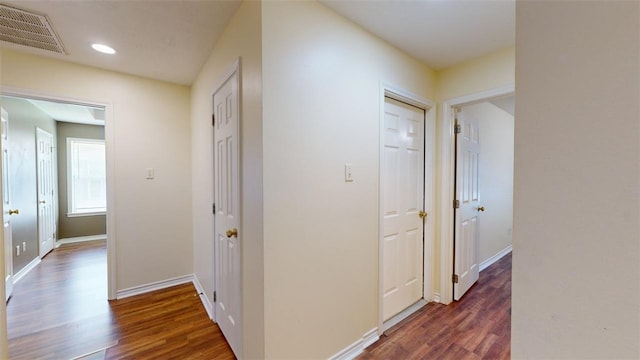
(396, 93)
(447, 181)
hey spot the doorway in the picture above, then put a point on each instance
(407, 144)
(477, 187)
(48, 113)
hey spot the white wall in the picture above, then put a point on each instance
(321, 98)
(496, 178)
(150, 129)
(576, 255)
(242, 38)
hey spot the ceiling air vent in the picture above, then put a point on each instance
(28, 29)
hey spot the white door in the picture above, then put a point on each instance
(402, 205)
(46, 185)
(227, 209)
(466, 268)
(7, 211)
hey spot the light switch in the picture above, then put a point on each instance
(151, 173)
(348, 173)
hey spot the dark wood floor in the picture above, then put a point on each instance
(60, 310)
(476, 327)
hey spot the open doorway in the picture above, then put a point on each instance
(483, 214)
(55, 188)
(477, 187)
(56, 176)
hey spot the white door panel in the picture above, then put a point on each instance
(402, 200)
(46, 191)
(6, 206)
(227, 220)
(466, 265)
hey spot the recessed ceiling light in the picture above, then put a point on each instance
(103, 48)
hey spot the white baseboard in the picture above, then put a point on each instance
(158, 285)
(485, 264)
(208, 306)
(30, 266)
(403, 315)
(355, 349)
(80, 239)
(436, 297)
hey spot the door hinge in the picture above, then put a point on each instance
(213, 119)
(454, 278)
(214, 208)
(457, 128)
(215, 296)
(456, 204)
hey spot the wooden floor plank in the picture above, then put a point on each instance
(476, 327)
(60, 310)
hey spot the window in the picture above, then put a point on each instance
(86, 177)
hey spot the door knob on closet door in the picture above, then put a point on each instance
(233, 232)
(42, 202)
(422, 214)
(481, 208)
(16, 211)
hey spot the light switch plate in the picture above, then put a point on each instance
(348, 173)
(151, 173)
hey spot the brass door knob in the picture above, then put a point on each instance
(422, 214)
(16, 211)
(480, 208)
(233, 232)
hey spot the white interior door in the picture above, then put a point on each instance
(466, 267)
(46, 186)
(7, 211)
(402, 205)
(227, 209)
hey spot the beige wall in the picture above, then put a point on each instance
(576, 264)
(321, 91)
(242, 38)
(69, 227)
(484, 73)
(152, 217)
(495, 178)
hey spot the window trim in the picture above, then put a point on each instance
(70, 212)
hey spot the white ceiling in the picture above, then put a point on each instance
(507, 104)
(165, 40)
(170, 40)
(80, 114)
(441, 33)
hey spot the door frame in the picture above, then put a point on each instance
(109, 141)
(447, 180)
(396, 93)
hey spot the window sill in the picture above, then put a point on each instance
(97, 213)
